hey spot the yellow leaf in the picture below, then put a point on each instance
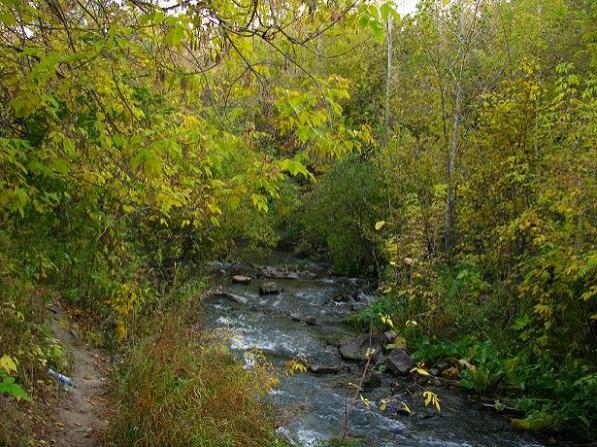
(379, 225)
(295, 366)
(420, 371)
(8, 364)
(432, 398)
(387, 320)
(405, 408)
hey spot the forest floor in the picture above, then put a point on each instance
(82, 413)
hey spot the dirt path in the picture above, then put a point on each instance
(82, 411)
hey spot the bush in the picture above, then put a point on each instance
(341, 212)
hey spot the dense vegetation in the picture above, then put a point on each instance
(450, 152)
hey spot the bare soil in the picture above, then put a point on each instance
(82, 411)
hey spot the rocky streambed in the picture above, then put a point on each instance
(292, 313)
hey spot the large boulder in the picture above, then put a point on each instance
(356, 348)
(398, 361)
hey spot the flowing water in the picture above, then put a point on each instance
(305, 321)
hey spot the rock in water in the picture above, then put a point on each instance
(278, 273)
(269, 288)
(356, 348)
(323, 369)
(341, 298)
(220, 293)
(398, 361)
(310, 320)
(241, 279)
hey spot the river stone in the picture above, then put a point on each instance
(361, 297)
(310, 320)
(355, 348)
(269, 288)
(398, 361)
(379, 358)
(295, 317)
(241, 279)
(219, 293)
(308, 275)
(275, 273)
(323, 369)
(341, 298)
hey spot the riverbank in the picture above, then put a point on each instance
(305, 323)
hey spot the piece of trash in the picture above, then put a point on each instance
(64, 380)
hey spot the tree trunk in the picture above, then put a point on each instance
(452, 153)
(388, 72)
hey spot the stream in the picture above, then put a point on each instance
(305, 321)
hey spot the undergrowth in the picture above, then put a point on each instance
(178, 385)
(552, 388)
(26, 340)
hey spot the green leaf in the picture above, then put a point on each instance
(175, 35)
(13, 389)
(259, 202)
(294, 167)
(385, 11)
(363, 22)
(158, 17)
(60, 165)
(7, 18)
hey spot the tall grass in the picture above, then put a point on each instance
(180, 387)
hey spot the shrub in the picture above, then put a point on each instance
(341, 212)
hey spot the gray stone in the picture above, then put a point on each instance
(398, 361)
(310, 320)
(356, 348)
(323, 369)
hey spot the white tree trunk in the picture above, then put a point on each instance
(389, 71)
